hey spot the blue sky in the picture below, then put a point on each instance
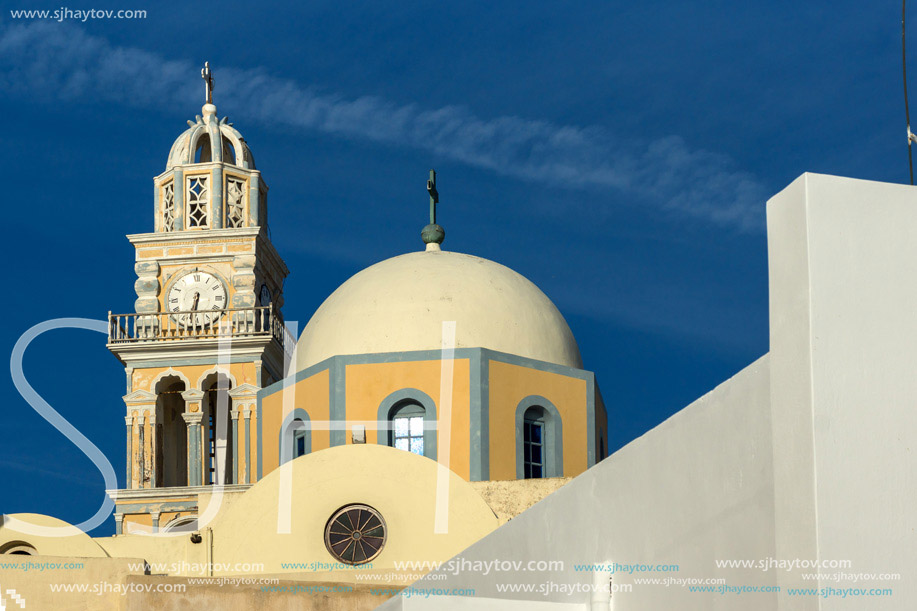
(617, 154)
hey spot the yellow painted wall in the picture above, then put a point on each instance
(311, 395)
(167, 516)
(509, 384)
(60, 539)
(244, 373)
(138, 521)
(400, 485)
(367, 385)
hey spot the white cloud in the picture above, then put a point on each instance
(61, 62)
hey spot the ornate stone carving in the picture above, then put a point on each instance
(198, 201)
(235, 202)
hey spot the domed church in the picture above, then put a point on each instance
(430, 398)
(370, 364)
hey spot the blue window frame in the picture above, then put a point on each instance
(299, 440)
(407, 428)
(533, 444)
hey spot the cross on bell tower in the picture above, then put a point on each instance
(207, 75)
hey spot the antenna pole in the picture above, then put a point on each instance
(907, 112)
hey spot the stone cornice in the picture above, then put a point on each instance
(173, 492)
(247, 347)
(139, 397)
(192, 394)
(194, 236)
(244, 391)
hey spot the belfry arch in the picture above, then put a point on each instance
(216, 428)
(171, 453)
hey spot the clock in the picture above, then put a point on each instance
(198, 292)
(265, 296)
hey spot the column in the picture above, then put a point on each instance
(247, 414)
(195, 465)
(141, 408)
(216, 197)
(119, 518)
(128, 476)
(149, 420)
(178, 195)
(154, 452)
(244, 397)
(141, 465)
(254, 201)
(155, 517)
(192, 418)
(236, 445)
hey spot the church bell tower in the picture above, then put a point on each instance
(207, 331)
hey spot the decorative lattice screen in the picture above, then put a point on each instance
(198, 199)
(235, 202)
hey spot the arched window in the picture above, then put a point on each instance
(539, 439)
(295, 436)
(406, 431)
(533, 443)
(171, 448)
(407, 421)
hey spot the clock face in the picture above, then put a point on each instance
(265, 296)
(198, 292)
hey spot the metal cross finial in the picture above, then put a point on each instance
(434, 196)
(433, 235)
(207, 75)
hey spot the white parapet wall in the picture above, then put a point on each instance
(843, 320)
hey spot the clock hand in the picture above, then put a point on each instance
(197, 297)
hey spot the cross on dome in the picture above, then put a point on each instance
(433, 235)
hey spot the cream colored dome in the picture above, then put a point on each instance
(399, 305)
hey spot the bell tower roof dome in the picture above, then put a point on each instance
(210, 139)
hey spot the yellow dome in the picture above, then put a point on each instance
(400, 304)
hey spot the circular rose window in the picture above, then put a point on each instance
(355, 534)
